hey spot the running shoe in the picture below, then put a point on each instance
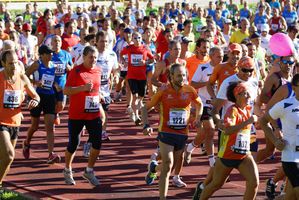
(105, 136)
(138, 122)
(198, 191)
(86, 149)
(91, 178)
(26, 150)
(53, 158)
(178, 182)
(282, 188)
(151, 174)
(187, 155)
(270, 189)
(68, 177)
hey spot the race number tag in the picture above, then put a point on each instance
(242, 144)
(104, 78)
(92, 104)
(59, 69)
(12, 98)
(198, 28)
(136, 59)
(297, 142)
(47, 81)
(177, 119)
(274, 27)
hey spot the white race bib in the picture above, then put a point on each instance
(274, 27)
(12, 98)
(297, 142)
(92, 104)
(47, 81)
(59, 69)
(177, 118)
(242, 144)
(136, 59)
(104, 78)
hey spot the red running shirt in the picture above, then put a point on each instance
(84, 105)
(136, 54)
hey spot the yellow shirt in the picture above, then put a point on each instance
(238, 36)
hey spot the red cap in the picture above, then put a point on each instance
(26, 27)
(246, 62)
(235, 47)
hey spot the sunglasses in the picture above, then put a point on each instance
(288, 62)
(137, 38)
(244, 70)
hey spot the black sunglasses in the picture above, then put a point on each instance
(244, 70)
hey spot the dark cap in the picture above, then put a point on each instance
(128, 30)
(59, 25)
(255, 35)
(186, 40)
(44, 49)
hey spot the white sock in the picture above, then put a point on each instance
(202, 186)
(88, 169)
(190, 147)
(67, 169)
(176, 177)
(211, 160)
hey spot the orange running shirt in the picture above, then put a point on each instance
(235, 146)
(11, 97)
(221, 72)
(192, 65)
(175, 108)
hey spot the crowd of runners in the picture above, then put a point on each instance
(210, 70)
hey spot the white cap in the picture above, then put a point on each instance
(265, 27)
(171, 21)
(79, 5)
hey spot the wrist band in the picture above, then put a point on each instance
(35, 100)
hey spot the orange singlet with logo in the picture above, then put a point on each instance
(236, 146)
(11, 97)
(175, 108)
(221, 72)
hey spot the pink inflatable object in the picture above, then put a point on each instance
(281, 44)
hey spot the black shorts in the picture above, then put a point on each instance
(206, 113)
(137, 87)
(13, 131)
(291, 170)
(106, 103)
(46, 104)
(231, 163)
(123, 74)
(59, 95)
(178, 141)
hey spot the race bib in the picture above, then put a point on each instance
(274, 27)
(136, 59)
(177, 118)
(59, 69)
(242, 144)
(198, 28)
(297, 142)
(104, 78)
(47, 81)
(92, 104)
(12, 98)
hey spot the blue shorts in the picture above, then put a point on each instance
(178, 141)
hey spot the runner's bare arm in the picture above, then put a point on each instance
(35, 99)
(32, 68)
(158, 71)
(74, 90)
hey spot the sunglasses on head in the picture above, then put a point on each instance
(289, 62)
(244, 70)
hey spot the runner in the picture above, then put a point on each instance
(199, 81)
(44, 83)
(287, 138)
(175, 100)
(138, 56)
(83, 86)
(13, 84)
(234, 152)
